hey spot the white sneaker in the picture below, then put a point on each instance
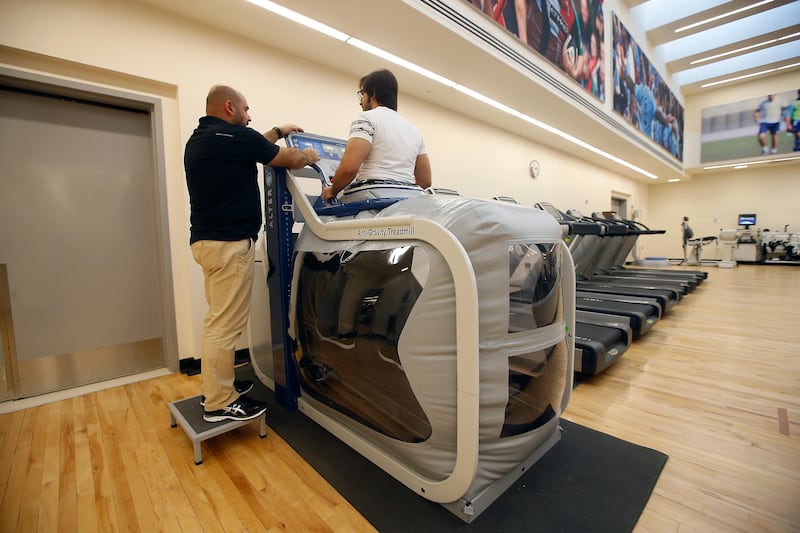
(774, 151)
(244, 408)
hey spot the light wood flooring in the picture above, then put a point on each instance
(715, 385)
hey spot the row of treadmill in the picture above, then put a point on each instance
(614, 304)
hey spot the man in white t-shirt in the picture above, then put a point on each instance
(385, 155)
(768, 115)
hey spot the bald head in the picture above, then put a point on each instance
(228, 104)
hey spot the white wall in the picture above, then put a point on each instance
(136, 48)
(713, 199)
(714, 202)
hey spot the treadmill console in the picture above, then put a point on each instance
(330, 150)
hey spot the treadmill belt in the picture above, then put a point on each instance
(665, 298)
(602, 334)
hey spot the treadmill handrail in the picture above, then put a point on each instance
(467, 345)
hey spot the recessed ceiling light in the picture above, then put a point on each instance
(744, 48)
(718, 17)
(759, 162)
(300, 19)
(745, 76)
(731, 52)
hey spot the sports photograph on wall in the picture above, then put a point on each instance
(767, 124)
(568, 33)
(642, 96)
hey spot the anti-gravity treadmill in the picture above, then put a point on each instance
(447, 325)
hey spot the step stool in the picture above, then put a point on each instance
(189, 414)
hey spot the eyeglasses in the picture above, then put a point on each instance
(360, 94)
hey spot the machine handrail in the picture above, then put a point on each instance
(409, 227)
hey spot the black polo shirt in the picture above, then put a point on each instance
(222, 177)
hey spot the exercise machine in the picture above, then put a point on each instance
(748, 246)
(728, 238)
(587, 249)
(692, 246)
(600, 338)
(780, 246)
(447, 324)
(635, 230)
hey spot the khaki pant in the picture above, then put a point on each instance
(228, 272)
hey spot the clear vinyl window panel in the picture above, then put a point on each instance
(534, 290)
(351, 311)
(535, 379)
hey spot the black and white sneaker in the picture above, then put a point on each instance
(243, 408)
(242, 387)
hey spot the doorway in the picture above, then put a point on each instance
(619, 205)
(80, 242)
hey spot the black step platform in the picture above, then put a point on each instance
(189, 414)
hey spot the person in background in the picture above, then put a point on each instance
(793, 121)
(385, 154)
(220, 161)
(768, 117)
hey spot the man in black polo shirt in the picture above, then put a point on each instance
(221, 174)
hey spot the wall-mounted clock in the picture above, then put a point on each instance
(535, 168)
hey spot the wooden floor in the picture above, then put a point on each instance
(715, 385)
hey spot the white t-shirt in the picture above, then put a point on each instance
(771, 111)
(396, 143)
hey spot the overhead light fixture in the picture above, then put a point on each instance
(486, 100)
(744, 49)
(724, 15)
(673, 180)
(745, 76)
(383, 54)
(731, 52)
(374, 50)
(749, 163)
(300, 19)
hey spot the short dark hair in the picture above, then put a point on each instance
(381, 85)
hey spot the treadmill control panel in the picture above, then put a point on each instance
(330, 149)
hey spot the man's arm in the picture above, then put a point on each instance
(757, 113)
(290, 157)
(573, 67)
(279, 132)
(294, 158)
(663, 118)
(521, 9)
(422, 171)
(355, 153)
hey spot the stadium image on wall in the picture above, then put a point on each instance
(748, 128)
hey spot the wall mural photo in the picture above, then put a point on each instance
(568, 33)
(642, 97)
(763, 125)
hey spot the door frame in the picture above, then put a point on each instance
(153, 105)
